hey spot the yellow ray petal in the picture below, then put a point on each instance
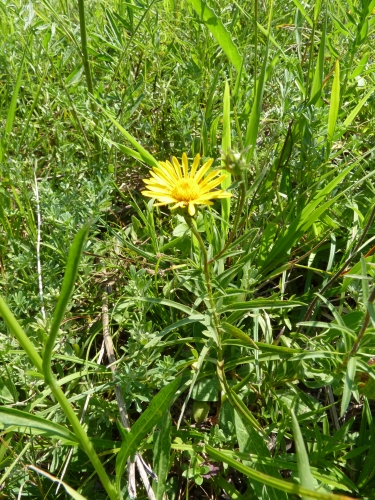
(212, 184)
(185, 165)
(177, 167)
(195, 165)
(203, 170)
(168, 170)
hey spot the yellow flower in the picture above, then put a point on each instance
(171, 183)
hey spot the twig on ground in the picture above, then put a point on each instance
(38, 240)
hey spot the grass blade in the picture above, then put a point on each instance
(316, 89)
(303, 465)
(162, 450)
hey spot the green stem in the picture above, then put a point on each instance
(206, 267)
(50, 380)
(80, 433)
(240, 205)
(20, 335)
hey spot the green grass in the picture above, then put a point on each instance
(248, 374)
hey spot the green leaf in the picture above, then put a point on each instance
(249, 441)
(18, 418)
(269, 480)
(308, 216)
(145, 155)
(225, 146)
(304, 472)
(301, 8)
(357, 109)
(261, 304)
(214, 24)
(317, 86)
(334, 106)
(20, 335)
(349, 384)
(162, 450)
(158, 406)
(254, 119)
(74, 257)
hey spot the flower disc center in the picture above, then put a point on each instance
(186, 190)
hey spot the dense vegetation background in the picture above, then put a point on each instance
(279, 395)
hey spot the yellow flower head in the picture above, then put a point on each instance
(171, 183)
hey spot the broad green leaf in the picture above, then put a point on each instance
(202, 356)
(162, 450)
(334, 105)
(73, 493)
(233, 330)
(163, 302)
(304, 472)
(214, 24)
(349, 384)
(150, 417)
(249, 441)
(18, 418)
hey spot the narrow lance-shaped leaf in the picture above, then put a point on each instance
(143, 425)
(67, 287)
(316, 89)
(303, 465)
(334, 107)
(18, 418)
(254, 119)
(349, 385)
(214, 24)
(225, 146)
(162, 450)
(280, 484)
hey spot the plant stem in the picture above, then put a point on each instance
(240, 205)
(216, 321)
(80, 433)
